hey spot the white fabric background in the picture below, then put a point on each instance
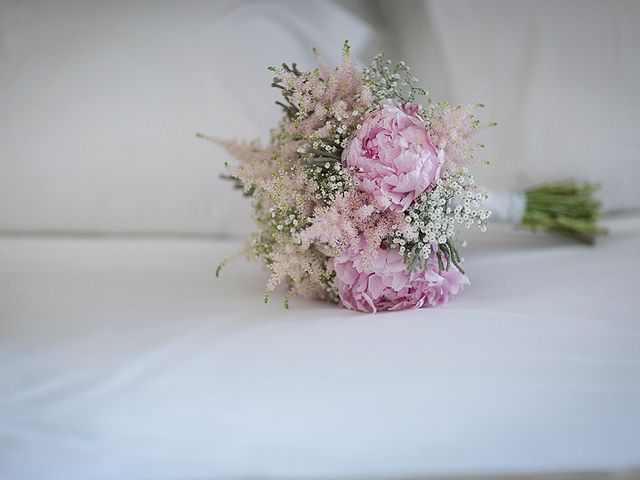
(99, 102)
(560, 78)
(125, 359)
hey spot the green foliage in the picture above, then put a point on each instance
(447, 256)
(449, 252)
(289, 108)
(567, 208)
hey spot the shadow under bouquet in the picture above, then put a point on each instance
(362, 194)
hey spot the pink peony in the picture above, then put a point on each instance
(393, 156)
(452, 284)
(385, 284)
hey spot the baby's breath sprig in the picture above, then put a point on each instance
(322, 154)
(332, 180)
(289, 223)
(454, 200)
(391, 82)
(327, 279)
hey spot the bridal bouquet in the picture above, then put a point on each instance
(362, 193)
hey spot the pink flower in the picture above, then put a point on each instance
(385, 283)
(392, 155)
(452, 284)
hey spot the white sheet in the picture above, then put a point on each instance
(127, 359)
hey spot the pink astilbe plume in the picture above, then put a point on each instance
(342, 82)
(355, 220)
(254, 166)
(245, 152)
(303, 270)
(453, 129)
(323, 96)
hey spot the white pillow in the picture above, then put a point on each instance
(100, 103)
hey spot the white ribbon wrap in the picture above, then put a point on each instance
(506, 207)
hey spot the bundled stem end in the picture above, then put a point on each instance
(568, 208)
